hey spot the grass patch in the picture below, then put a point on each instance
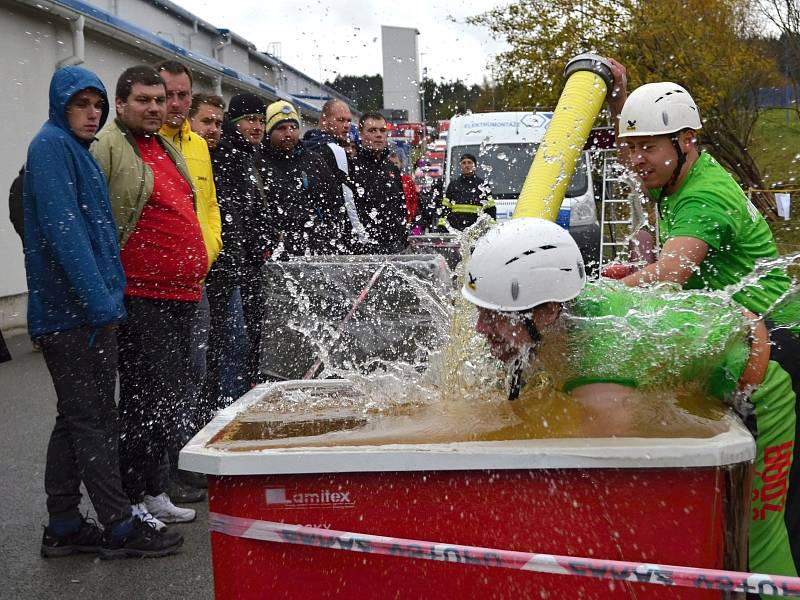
(776, 147)
(776, 150)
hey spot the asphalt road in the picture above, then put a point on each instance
(28, 401)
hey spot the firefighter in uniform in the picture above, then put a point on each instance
(466, 198)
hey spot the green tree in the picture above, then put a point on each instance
(443, 99)
(785, 16)
(365, 90)
(703, 44)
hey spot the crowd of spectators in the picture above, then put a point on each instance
(144, 237)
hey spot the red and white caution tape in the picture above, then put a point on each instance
(669, 575)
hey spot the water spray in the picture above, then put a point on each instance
(589, 79)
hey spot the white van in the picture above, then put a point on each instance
(504, 144)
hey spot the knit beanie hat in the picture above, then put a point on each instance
(244, 105)
(280, 112)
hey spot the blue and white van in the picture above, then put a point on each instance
(504, 144)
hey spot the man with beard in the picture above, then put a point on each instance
(304, 201)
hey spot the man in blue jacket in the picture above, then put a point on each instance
(75, 301)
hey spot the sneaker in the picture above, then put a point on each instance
(88, 538)
(140, 510)
(161, 507)
(144, 541)
(185, 493)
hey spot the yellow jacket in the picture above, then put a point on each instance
(195, 153)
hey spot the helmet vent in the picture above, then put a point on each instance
(665, 117)
(567, 269)
(508, 262)
(660, 98)
(547, 247)
(514, 289)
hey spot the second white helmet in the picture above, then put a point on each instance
(523, 263)
(658, 109)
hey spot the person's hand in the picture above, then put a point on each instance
(617, 271)
(619, 91)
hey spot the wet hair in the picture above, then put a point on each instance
(327, 108)
(141, 74)
(370, 115)
(174, 67)
(203, 98)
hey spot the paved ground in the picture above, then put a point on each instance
(27, 409)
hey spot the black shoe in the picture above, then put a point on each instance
(183, 493)
(197, 480)
(88, 538)
(144, 541)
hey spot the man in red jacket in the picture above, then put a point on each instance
(164, 258)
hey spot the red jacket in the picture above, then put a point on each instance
(410, 192)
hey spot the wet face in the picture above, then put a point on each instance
(144, 110)
(654, 158)
(373, 135)
(252, 128)
(505, 332)
(84, 111)
(285, 136)
(179, 97)
(337, 123)
(396, 161)
(467, 166)
(207, 123)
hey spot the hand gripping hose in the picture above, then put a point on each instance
(589, 79)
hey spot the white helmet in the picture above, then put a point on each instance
(523, 263)
(658, 109)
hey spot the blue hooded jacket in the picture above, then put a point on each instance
(74, 273)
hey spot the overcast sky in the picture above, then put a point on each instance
(329, 38)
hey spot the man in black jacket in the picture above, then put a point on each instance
(304, 201)
(378, 189)
(466, 197)
(244, 237)
(332, 141)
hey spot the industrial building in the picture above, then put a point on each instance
(401, 77)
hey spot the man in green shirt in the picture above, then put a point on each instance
(712, 236)
(624, 344)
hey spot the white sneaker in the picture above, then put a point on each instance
(140, 511)
(161, 507)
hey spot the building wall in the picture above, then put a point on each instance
(33, 39)
(401, 70)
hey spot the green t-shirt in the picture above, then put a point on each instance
(710, 206)
(655, 337)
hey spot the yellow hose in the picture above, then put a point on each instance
(555, 160)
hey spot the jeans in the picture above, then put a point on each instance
(83, 445)
(154, 371)
(221, 289)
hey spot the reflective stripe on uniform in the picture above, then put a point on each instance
(472, 209)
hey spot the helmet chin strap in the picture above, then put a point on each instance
(524, 357)
(677, 172)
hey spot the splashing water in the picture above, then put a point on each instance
(419, 373)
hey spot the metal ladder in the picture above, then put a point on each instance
(621, 210)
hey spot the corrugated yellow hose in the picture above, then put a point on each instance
(588, 80)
